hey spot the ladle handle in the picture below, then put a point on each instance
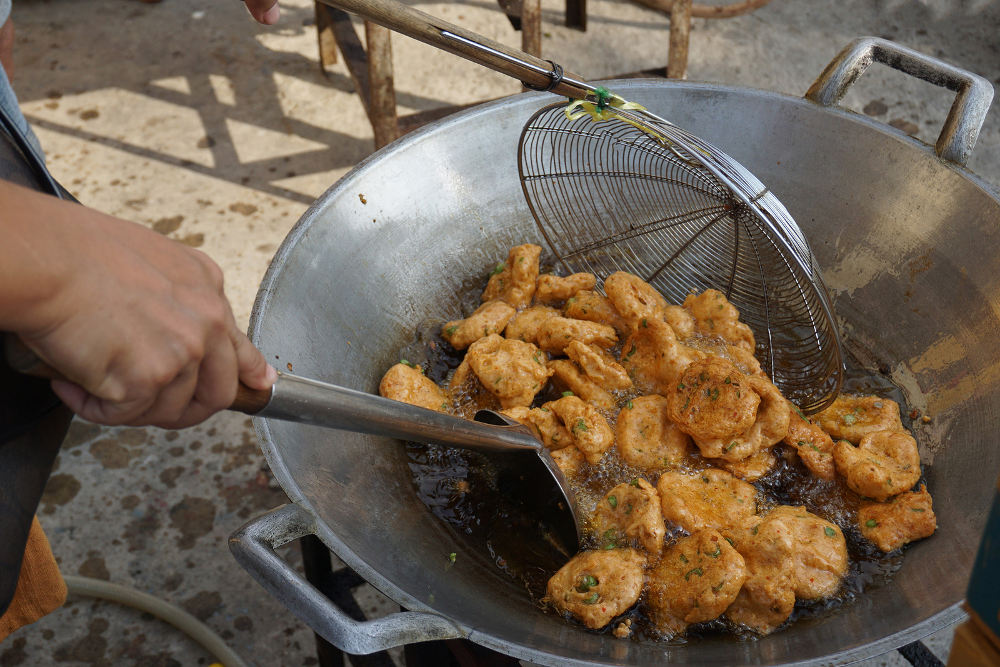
(308, 401)
(533, 72)
(298, 399)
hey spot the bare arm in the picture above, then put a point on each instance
(138, 322)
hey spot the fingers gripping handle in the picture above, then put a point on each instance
(254, 546)
(968, 112)
(23, 359)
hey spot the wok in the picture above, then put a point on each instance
(907, 237)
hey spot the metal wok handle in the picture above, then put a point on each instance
(968, 112)
(533, 72)
(254, 546)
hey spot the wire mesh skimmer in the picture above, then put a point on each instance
(639, 194)
(634, 192)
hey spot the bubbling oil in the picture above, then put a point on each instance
(457, 487)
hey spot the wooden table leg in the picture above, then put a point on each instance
(680, 36)
(382, 101)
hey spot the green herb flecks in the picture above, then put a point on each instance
(830, 532)
(407, 363)
(592, 598)
(498, 269)
(451, 330)
(850, 419)
(580, 425)
(567, 393)
(696, 570)
(871, 523)
(613, 501)
(587, 582)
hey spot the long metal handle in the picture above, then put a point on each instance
(534, 72)
(307, 401)
(298, 399)
(254, 546)
(968, 112)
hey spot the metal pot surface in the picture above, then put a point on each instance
(907, 239)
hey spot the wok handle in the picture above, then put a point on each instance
(533, 72)
(968, 112)
(253, 546)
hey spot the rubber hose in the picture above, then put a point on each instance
(169, 613)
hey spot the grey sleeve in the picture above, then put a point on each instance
(8, 100)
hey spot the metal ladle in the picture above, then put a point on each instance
(523, 468)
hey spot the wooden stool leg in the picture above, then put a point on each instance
(576, 14)
(382, 103)
(680, 36)
(324, 36)
(531, 27)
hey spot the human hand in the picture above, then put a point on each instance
(138, 323)
(264, 11)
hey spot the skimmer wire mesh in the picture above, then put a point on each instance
(683, 216)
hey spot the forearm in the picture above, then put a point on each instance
(36, 253)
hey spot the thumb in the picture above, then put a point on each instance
(254, 370)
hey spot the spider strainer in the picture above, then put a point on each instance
(638, 194)
(634, 192)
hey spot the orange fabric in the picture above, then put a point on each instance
(40, 587)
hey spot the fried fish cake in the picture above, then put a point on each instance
(646, 438)
(556, 289)
(715, 316)
(906, 518)
(525, 324)
(632, 511)
(555, 333)
(596, 586)
(813, 445)
(514, 281)
(884, 464)
(408, 384)
(695, 581)
(511, 370)
(708, 499)
(852, 416)
(590, 430)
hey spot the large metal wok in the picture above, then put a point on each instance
(908, 239)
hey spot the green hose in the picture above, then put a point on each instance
(172, 614)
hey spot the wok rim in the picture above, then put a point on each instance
(939, 620)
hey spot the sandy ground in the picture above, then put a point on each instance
(189, 118)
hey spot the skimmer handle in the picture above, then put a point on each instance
(968, 112)
(533, 72)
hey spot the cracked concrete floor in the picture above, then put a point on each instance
(189, 118)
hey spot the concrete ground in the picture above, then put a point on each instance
(189, 118)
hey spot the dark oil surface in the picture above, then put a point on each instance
(461, 489)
